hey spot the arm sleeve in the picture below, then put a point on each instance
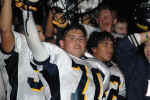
(122, 88)
(32, 37)
(127, 52)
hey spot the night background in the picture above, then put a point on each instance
(125, 8)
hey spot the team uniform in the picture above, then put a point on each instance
(79, 79)
(61, 76)
(68, 77)
(23, 82)
(117, 87)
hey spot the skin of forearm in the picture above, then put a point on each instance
(6, 26)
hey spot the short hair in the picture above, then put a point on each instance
(96, 38)
(71, 27)
(103, 7)
(122, 20)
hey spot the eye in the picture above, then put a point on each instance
(72, 38)
(81, 39)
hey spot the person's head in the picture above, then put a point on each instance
(73, 40)
(100, 44)
(147, 50)
(121, 27)
(105, 18)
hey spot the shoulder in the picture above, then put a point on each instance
(95, 63)
(115, 70)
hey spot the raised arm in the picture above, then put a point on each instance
(33, 38)
(7, 38)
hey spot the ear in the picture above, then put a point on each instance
(61, 42)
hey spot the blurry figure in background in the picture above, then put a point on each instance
(115, 16)
(121, 28)
(133, 62)
(101, 46)
(105, 18)
(56, 22)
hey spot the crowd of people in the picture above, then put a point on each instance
(93, 59)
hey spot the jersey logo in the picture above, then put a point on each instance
(35, 85)
(115, 86)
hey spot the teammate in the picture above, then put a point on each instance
(101, 45)
(88, 77)
(23, 82)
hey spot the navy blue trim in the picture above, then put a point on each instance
(78, 94)
(96, 82)
(12, 70)
(51, 74)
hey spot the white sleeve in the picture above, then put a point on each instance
(122, 89)
(33, 38)
(135, 39)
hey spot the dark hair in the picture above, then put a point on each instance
(103, 7)
(38, 17)
(96, 38)
(61, 35)
(122, 20)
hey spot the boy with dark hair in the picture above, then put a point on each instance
(101, 45)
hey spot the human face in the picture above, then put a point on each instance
(40, 31)
(105, 20)
(74, 42)
(104, 50)
(147, 50)
(121, 28)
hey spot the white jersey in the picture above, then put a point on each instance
(117, 85)
(78, 78)
(2, 86)
(61, 76)
(24, 82)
